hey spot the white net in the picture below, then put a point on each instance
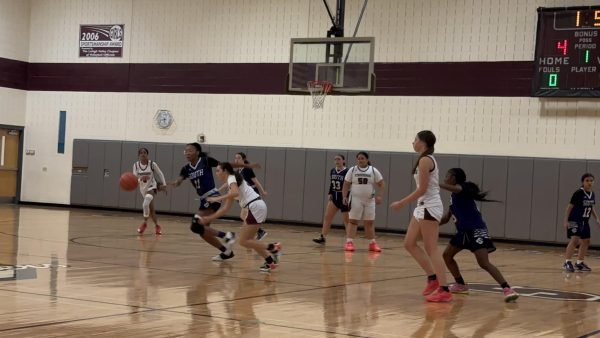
(318, 91)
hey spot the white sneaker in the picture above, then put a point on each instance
(229, 240)
(222, 257)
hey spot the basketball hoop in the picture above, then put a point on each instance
(319, 90)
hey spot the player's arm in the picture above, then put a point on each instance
(160, 177)
(233, 192)
(596, 216)
(182, 176)
(455, 188)
(380, 184)
(222, 188)
(261, 189)
(346, 185)
(576, 199)
(134, 171)
(380, 191)
(246, 165)
(567, 213)
(425, 165)
(446, 218)
(222, 210)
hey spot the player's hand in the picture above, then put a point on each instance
(598, 223)
(330, 197)
(397, 205)
(212, 199)
(377, 199)
(566, 225)
(265, 194)
(345, 201)
(255, 165)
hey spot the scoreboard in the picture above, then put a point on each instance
(567, 58)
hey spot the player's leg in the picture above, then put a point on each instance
(369, 217)
(482, 256)
(451, 250)
(330, 211)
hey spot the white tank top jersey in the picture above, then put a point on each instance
(247, 194)
(152, 172)
(363, 181)
(432, 195)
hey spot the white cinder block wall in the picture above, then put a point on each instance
(224, 31)
(14, 45)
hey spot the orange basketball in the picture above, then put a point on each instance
(128, 181)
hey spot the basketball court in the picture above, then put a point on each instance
(78, 272)
(72, 264)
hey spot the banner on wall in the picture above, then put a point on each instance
(101, 40)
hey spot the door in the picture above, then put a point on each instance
(9, 164)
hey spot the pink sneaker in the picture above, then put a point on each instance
(142, 228)
(349, 246)
(459, 288)
(440, 296)
(432, 285)
(374, 247)
(157, 230)
(510, 295)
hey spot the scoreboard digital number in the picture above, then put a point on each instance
(567, 61)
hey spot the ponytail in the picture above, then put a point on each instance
(470, 189)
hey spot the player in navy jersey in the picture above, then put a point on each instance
(253, 182)
(336, 200)
(199, 172)
(471, 231)
(576, 222)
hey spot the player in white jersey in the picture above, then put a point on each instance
(151, 180)
(256, 214)
(364, 179)
(426, 219)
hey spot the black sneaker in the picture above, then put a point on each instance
(568, 266)
(582, 267)
(260, 234)
(222, 257)
(320, 240)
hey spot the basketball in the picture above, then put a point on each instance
(128, 181)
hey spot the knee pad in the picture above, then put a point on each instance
(196, 227)
(146, 205)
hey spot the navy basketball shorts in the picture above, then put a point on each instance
(579, 229)
(473, 240)
(339, 203)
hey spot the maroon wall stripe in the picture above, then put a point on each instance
(83, 77)
(221, 78)
(503, 78)
(13, 74)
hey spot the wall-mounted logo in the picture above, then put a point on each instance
(550, 294)
(101, 40)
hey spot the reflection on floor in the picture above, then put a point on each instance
(86, 272)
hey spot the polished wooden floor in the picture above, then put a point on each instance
(81, 273)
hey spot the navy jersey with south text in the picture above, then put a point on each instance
(337, 183)
(583, 203)
(201, 174)
(465, 211)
